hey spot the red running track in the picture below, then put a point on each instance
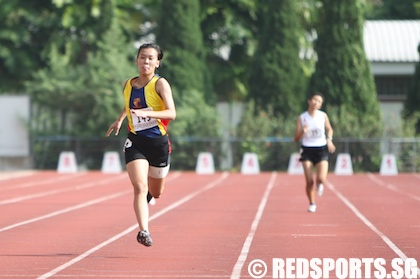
(204, 226)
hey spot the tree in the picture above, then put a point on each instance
(196, 118)
(82, 99)
(25, 29)
(342, 71)
(179, 34)
(32, 30)
(276, 75)
(227, 27)
(411, 105)
(394, 9)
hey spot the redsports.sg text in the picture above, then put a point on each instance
(352, 268)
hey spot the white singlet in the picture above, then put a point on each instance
(315, 135)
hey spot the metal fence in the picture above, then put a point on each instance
(273, 153)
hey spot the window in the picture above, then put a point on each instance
(392, 87)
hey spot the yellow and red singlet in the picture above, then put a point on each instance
(145, 98)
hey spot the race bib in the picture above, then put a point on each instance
(143, 123)
(314, 133)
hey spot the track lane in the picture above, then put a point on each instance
(391, 211)
(46, 201)
(34, 179)
(334, 231)
(49, 241)
(10, 175)
(44, 186)
(289, 231)
(196, 240)
(407, 184)
(113, 266)
(203, 237)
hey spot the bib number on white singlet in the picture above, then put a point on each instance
(314, 133)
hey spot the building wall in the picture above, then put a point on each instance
(14, 132)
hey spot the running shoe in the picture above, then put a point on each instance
(150, 199)
(320, 189)
(143, 237)
(312, 207)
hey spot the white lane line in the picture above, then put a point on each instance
(52, 180)
(79, 206)
(65, 210)
(236, 272)
(15, 174)
(63, 190)
(134, 227)
(370, 225)
(392, 187)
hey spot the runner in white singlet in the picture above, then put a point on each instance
(313, 129)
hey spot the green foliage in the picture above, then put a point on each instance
(180, 36)
(194, 116)
(87, 96)
(276, 76)
(347, 123)
(394, 9)
(195, 119)
(255, 123)
(83, 24)
(410, 126)
(24, 31)
(229, 38)
(32, 30)
(342, 70)
(257, 132)
(61, 44)
(411, 106)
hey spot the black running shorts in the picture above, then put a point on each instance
(314, 154)
(155, 150)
